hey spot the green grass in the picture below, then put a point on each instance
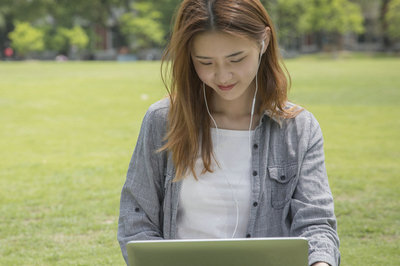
(68, 131)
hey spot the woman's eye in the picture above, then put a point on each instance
(205, 63)
(237, 61)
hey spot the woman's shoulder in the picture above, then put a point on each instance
(302, 115)
(300, 122)
(154, 124)
(294, 114)
(303, 125)
(158, 110)
(160, 106)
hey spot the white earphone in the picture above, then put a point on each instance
(262, 47)
(255, 94)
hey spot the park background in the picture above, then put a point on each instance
(68, 128)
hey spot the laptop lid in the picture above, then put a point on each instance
(219, 252)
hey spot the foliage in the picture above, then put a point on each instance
(63, 39)
(142, 25)
(288, 14)
(77, 37)
(55, 40)
(145, 23)
(2, 20)
(67, 13)
(393, 19)
(17, 10)
(332, 16)
(134, 23)
(167, 10)
(26, 38)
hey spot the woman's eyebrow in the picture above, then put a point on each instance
(231, 55)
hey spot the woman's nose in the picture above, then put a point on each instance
(223, 76)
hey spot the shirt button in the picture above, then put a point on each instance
(137, 209)
(283, 177)
(248, 235)
(254, 173)
(255, 146)
(255, 204)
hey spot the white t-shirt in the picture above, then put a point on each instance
(207, 207)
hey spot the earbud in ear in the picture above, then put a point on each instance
(262, 46)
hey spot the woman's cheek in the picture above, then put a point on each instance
(250, 68)
(204, 75)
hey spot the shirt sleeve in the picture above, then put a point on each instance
(312, 207)
(142, 194)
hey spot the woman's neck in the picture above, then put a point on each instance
(236, 107)
(235, 114)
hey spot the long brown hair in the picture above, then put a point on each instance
(188, 123)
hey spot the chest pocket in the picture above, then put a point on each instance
(281, 184)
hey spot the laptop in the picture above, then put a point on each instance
(291, 251)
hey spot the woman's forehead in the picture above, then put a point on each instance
(215, 43)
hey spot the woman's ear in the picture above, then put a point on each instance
(267, 38)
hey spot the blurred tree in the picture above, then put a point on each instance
(380, 21)
(89, 14)
(116, 15)
(392, 18)
(271, 7)
(24, 11)
(61, 13)
(64, 40)
(288, 14)
(370, 11)
(17, 9)
(2, 18)
(384, 24)
(331, 18)
(55, 40)
(77, 38)
(68, 13)
(142, 26)
(142, 23)
(167, 9)
(26, 39)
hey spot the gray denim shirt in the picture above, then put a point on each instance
(290, 194)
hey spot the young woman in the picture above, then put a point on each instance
(226, 155)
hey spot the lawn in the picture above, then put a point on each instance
(68, 131)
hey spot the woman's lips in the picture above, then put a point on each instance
(226, 88)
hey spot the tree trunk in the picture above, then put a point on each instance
(319, 40)
(339, 41)
(385, 38)
(8, 27)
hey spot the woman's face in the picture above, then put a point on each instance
(226, 63)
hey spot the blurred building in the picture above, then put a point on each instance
(372, 40)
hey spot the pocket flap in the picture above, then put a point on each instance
(282, 174)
